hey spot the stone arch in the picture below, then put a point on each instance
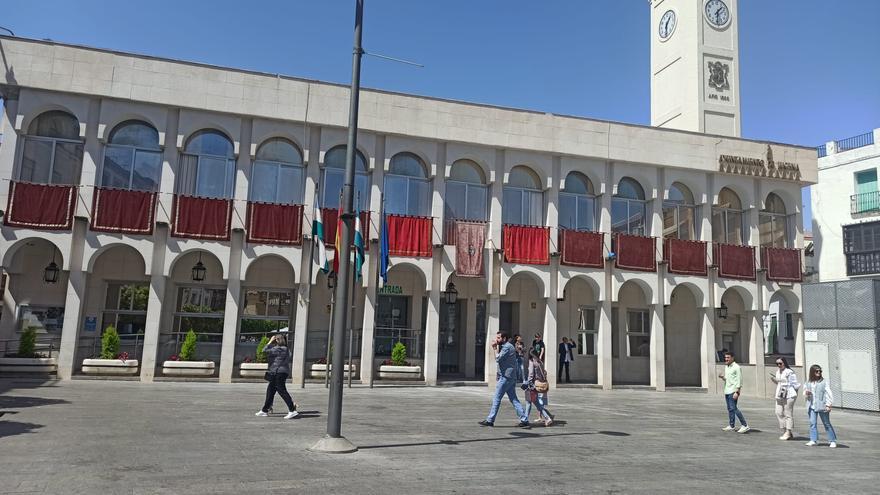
(368, 160)
(791, 299)
(682, 337)
(405, 265)
(695, 290)
(277, 134)
(206, 255)
(744, 294)
(92, 262)
(529, 275)
(647, 291)
(11, 251)
(488, 172)
(106, 128)
(590, 282)
(746, 198)
(253, 265)
(49, 107)
(792, 204)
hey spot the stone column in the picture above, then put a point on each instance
(73, 303)
(551, 357)
(231, 311)
(158, 282)
(300, 332)
(470, 338)
(369, 323)
(799, 340)
(604, 363)
(658, 348)
(492, 326)
(707, 348)
(432, 328)
(10, 141)
(756, 350)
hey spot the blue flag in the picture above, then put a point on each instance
(383, 251)
(358, 247)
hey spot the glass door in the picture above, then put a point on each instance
(452, 322)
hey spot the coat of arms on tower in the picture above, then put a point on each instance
(718, 76)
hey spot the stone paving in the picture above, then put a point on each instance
(108, 437)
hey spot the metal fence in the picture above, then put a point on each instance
(822, 150)
(46, 345)
(387, 337)
(854, 142)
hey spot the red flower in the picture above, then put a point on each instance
(174, 357)
(123, 356)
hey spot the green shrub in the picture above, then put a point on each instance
(188, 349)
(110, 343)
(398, 354)
(261, 349)
(27, 343)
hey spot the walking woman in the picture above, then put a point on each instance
(819, 398)
(279, 370)
(536, 387)
(786, 394)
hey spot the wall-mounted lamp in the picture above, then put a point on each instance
(451, 294)
(722, 311)
(51, 272)
(199, 270)
(331, 280)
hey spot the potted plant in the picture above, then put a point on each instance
(184, 363)
(397, 367)
(111, 361)
(257, 367)
(27, 359)
(319, 368)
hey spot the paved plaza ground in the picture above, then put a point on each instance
(102, 437)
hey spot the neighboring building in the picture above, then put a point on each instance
(174, 195)
(846, 208)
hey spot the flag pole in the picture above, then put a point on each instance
(309, 281)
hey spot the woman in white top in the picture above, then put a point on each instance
(819, 400)
(786, 394)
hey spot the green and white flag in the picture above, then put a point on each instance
(358, 247)
(318, 238)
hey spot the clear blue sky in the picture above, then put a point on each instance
(809, 69)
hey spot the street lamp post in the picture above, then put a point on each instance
(333, 441)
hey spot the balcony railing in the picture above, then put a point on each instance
(822, 151)
(864, 202)
(854, 142)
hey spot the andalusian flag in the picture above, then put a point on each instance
(358, 247)
(318, 236)
(338, 241)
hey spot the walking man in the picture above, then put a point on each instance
(539, 345)
(566, 356)
(508, 377)
(732, 383)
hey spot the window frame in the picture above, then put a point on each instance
(299, 198)
(54, 142)
(628, 202)
(525, 210)
(467, 188)
(117, 312)
(409, 181)
(578, 197)
(584, 332)
(645, 331)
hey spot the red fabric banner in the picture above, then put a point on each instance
(123, 211)
(40, 206)
(409, 236)
(634, 252)
(782, 265)
(470, 238)
(329, 215)
(685, 257)
(735, 261)
(526, 244)
(201, 218)
(269, 223)
(582, 248)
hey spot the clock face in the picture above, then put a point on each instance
(667, 25)
(717, 13)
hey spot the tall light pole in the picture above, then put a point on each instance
(333, 441)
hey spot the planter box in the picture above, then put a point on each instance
(253, 370)
(400, 372)
(320, 370)
(188, 368)
(28, 365)
(110, 367)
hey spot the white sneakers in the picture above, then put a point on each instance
(261, 414)
(813, 444)
(291, 415)
(833, 445)
(728, 428)
(743, 429)
(788, 435)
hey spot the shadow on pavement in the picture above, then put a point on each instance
(515, 435)
(18, 402)
(10, 428)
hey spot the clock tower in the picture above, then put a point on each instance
(695, 66)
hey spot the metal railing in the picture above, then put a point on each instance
(412, 338)
(208, 345)
(133, 344)
(864, 202)
(854, 142)
(822, 150)
(46, 346)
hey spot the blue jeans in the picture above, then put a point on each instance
(541, 404)
(826, 421)
(506, 386)
(733, 411)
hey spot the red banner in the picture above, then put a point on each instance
(269, 223)
(123, 211)
(470, 237)
(329, 215)
(40, 206)
(409, 236)
(735, 261)
(635, 252)
(782, 265)
(581, 248)
(526, 244)
(685, 257)
(201, 218)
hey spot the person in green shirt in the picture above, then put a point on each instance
(732, 384)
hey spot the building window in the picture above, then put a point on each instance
(629, 208)
(48, 319)
(278, 173)
(638, 331)
(866, 197)
(727, 219)
(207, 166)
(333, 175)
(52, 151)
(132, 158)
(523, 201)
(264, 311)
(773, 223)
(577, 203)
(126, 307)
(467, 196)
(407, 187)
(679, 213)
(588, 333)
(201, 309)
(861, 245)
(789, 327)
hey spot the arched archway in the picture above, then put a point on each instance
(733, 325)
(268, 303)
(579, 322)
(631, 334)
(462, 327)
(522, 306)
(780, 324)
(682, 339)
(401, 314)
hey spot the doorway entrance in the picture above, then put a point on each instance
(453, 318)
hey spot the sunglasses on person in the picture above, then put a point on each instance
(778, 363)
